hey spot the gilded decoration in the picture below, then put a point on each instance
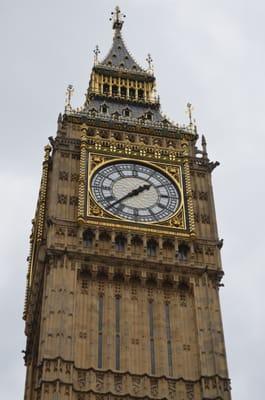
(95, 160)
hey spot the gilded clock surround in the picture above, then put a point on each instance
(94, 165)
(117, 309)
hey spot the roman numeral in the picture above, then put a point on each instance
(152, 213)
(135, 213)
(110, 198)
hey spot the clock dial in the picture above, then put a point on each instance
(135, 191)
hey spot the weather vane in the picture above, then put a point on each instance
(69, 94)
(96, 53)
(150, 63)
(117, 18)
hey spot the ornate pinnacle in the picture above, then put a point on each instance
(204, 146)
(150, 63)
(189, 112)
(47, 150)
(96, 53)
(69, 94)
(117, 18)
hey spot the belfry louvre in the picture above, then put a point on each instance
(124, 270)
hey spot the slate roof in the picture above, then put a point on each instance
(137, 111)
(119, 56)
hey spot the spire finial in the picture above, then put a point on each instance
(189, 112)
(69, 94)
(117, 18)
(150, 63)
(96, 52)
(204, 146)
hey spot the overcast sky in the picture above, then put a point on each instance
(208, 52)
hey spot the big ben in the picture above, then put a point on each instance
(124, 268)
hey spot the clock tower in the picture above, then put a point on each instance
(124, 269)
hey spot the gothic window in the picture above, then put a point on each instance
(132, 93)
(165, 122)
(88, 237)
(93, 111)
(168, 248)
(137, 245)
(127, 112)
(104, 108)
(120, 242)
(169, 340)
(116, 115)
(123, 91)
(114, 90)
(105, 240)
(151, 333)
(151, 248)
(100, 331)
(140, 94)
(106, 88)
(121, 65)
(149, 116)
(183, 251)
(117, 329)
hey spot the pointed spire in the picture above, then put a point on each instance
(204, 146)
(117, 18)
(118, 56)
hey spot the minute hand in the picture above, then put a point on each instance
(134, 192)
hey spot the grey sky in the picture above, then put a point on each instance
(207, 52)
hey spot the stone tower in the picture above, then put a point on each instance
(124, 269)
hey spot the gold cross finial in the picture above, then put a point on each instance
(117, 18)
(150, 63)
(69, 94)
(96, 52)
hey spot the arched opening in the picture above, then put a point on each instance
(183, 251)
(123, 91)
(120, 242)
(114, 90)
(88, 238)
(104, 108)
(151, 248)
(106, 88)
(127, 112)
(105, 240)
(137, 245)
(168, 248)
(149, 116)
(132, 93)
(140, 94)
(116, 115)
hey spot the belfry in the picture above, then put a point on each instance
(124, 271)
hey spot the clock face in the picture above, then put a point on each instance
(135, 192)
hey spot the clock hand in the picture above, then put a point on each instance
(132, 193)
